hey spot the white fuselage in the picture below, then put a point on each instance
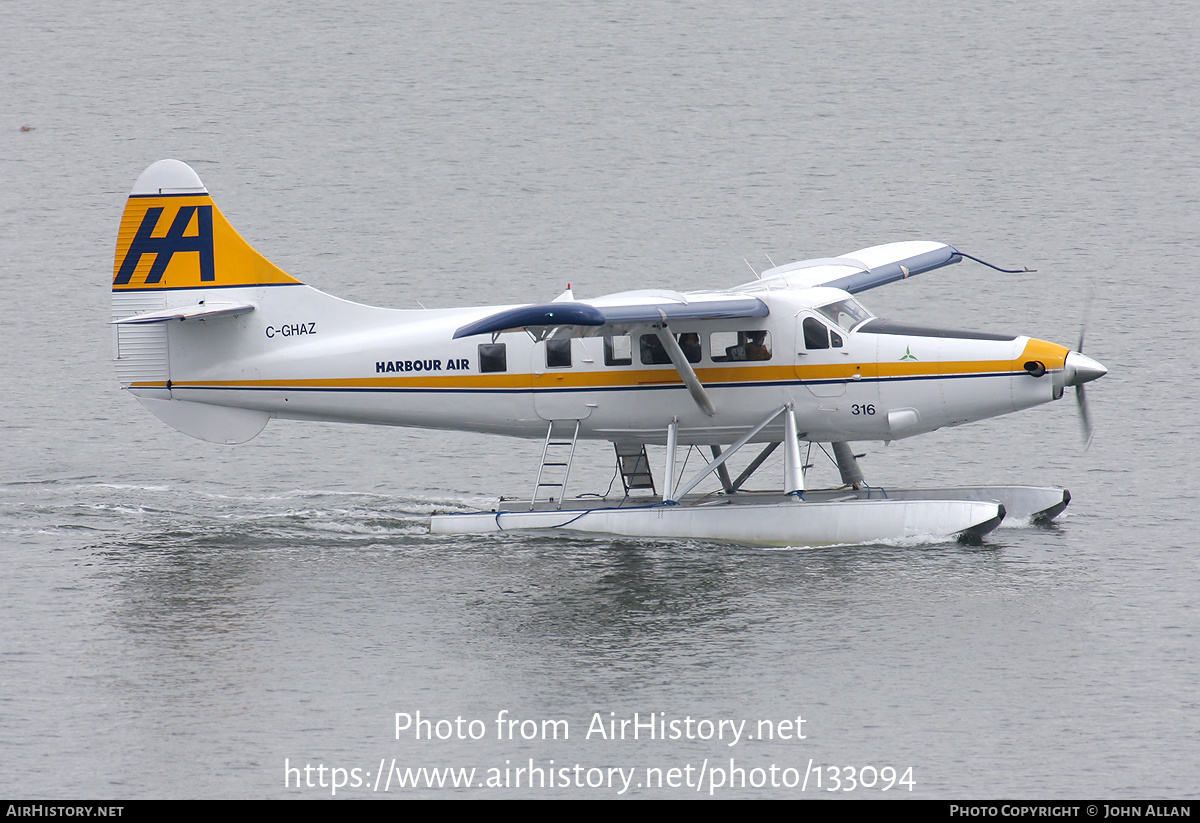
(302, 354)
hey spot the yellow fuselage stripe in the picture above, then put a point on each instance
(1051, 355)
(623, 380)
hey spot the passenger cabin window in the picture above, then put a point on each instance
(654, 354)
(493, 357)
(739, 346)
(558, 354)
(618, 350)
(819, 336)
(689, 342)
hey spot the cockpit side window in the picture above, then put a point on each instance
(816, 335)
(846, 314)
(819, 336)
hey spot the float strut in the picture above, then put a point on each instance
(754, 464)
(847, 464)
(722, 471)
(793, 466)
(672, 444)
(674, 496)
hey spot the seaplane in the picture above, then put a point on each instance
(216, 341)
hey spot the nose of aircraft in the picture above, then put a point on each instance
(1082, 369)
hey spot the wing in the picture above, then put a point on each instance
(614, 313)
(859, 270)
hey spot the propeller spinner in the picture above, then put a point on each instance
(1079, 369)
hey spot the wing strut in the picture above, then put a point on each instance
(671, 346)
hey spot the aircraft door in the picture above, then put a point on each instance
(822, 357)
(559, 390)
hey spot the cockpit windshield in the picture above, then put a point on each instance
(849, 314)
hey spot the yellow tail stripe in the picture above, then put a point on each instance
(182, 242)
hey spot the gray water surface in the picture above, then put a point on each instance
(181, 619)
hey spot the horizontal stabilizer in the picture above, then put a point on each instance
(200, 311)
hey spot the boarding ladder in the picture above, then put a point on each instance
(554, 466)
(634, 467)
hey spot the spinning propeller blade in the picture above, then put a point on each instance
(1080, 370)
(1085, 417)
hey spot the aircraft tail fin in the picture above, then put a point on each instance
(175, 253)
(172, 236)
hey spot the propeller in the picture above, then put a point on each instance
(1085, 416)
(1082, 369)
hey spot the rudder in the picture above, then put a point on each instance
(173, 247)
